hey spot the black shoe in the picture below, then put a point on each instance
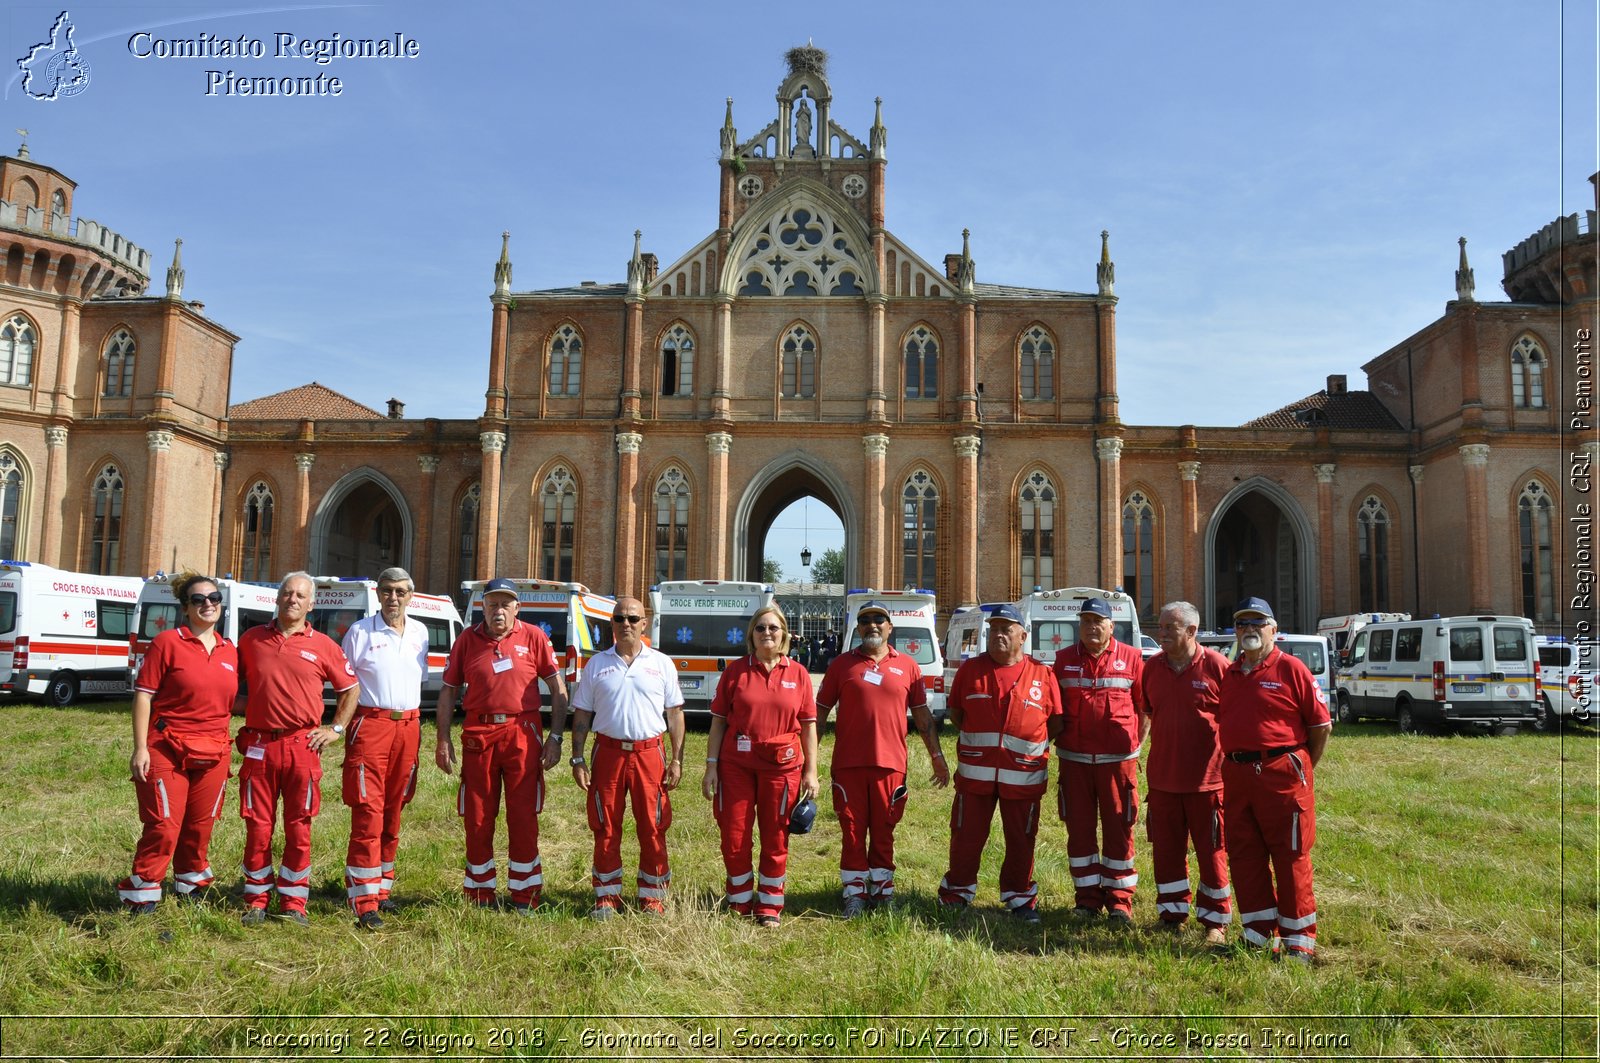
(295, 916)
(253, 916)
(370, 921)
(1025, 913)
(141, 908)
(387, 905)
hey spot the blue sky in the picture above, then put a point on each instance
(1284, 183)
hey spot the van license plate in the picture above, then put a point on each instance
(689, 684)
(1466, 688)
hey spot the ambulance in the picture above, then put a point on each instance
(701, 625)
(1340, 630)
(63, 634)
(966, 637)
(1053, 619)
(575, 619)
(1454, 671)
(914, 614)
(1566, 678)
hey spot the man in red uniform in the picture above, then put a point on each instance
(1273, 724)
(1097, 737)
(500, 661)
(630, 696)
(390, 658)
(1177, 697)
(874, 686)
(283, 666)
(1004, 704)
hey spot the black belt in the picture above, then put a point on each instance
(1255, 756)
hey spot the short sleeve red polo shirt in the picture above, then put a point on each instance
(285, 674)
(191, 689)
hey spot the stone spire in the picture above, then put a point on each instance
(636, 267)
(502, 268)
(175, 272)
(730, 138)
(22, 152)
(1464, 284)
(966, 275)
(1106, 272)
(879, 135)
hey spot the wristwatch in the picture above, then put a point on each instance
(577, 761)
(338, 728)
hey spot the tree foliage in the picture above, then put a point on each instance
(771, 571)
(829, 567)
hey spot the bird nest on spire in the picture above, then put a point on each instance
(807, 59)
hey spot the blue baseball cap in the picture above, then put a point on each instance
(1096, 607)
(802, 816)
(500, 585)
(1253, 607)
(1007, 612)
(873, 607)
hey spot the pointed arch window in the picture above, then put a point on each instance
(922, 365)
(1372, 555)
(672, 526)
(1038, 365)
(255, 553)
(17, 343)
(11, 487)
(558, 509)
(467, 535)
(58, 202)
(1527, 374)
(105, 529)
(1036, 519)
(919, 532)
(1139, 552)
(1534, 530)
(120, 353)
(799, 364)
(677, 362)
(566, 361)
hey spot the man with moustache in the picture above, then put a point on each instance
(1273, 726)
(1004, 703)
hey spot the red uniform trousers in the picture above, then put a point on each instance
(869, 802)
(178, 808)
(493, 755)
(1171, 821)
(623, 770)
(1271, 822)
(970, 816)
(287, 769)
(753, 791)
(380, 778)
(1102, 871)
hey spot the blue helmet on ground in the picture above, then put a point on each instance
(802, 816)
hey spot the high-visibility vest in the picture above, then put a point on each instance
(1101, 722)
(1004, 744)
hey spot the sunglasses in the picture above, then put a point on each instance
(393, 592)
(770, 627)
(1251, 623)
(197, 600)
(619, 619)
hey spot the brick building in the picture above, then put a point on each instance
(967, 434)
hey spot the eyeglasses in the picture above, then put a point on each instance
(394, 592)
(871, 621)
(197, 600)
(1251, 623)
(770, 627)
(620, 619)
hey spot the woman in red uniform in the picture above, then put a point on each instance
(181, 704)
(761, 760)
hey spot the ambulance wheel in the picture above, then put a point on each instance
(1543, 719)
(62, 690)
(1345, 712)
(1403, 717)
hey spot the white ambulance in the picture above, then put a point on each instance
(575, 619)
(63, 634)
(1340, 630)
(1456, 671)
(914, 614)
(701, 625)
(1053, 619)
(966, 637)
(1566, 678)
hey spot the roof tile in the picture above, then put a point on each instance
(308, 402)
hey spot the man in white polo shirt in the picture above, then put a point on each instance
(390, 658)
(629, 696)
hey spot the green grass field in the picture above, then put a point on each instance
(1456, 891)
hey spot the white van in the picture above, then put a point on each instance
(575, 619)
(915, 616)
(1566, 678)
(1053, 619)
(1314, 652)
(63, 634)
(700, 624)
(1340, 630)
(966, 637)
(1467, 671)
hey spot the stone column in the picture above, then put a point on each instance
(626, 563)
(1189, 541)
(873, 548)
(966, 510)
(159, 440)
(721, 350)
(878, 346)
(1109, 451)
(493, 444)
(55, 487)
(421, 565)
(1325, 533)
(219, 462)
(716, 506)
(1475, 460)
(967, 360)
(1421, 571)
(66, 357)
(300, 530)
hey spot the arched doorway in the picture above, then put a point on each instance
(774, 489)
(361, 528)
(1259, 544)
